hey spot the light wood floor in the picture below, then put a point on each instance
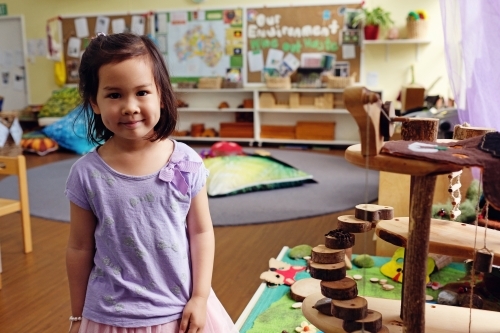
(35, 295)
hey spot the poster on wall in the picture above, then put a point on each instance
(201, 43)
(274, 34)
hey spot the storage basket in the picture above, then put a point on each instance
(340, 82)
(10, 148)
(416, 29)
(210, 83)
(278, 82)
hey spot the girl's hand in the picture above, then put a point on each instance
(194, 316)
(75, 327)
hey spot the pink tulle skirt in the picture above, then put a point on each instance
(218, 321)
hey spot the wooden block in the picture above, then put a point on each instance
(306, 130)
(294, 100)
(300, 289)
(236, 130)
(412, 97)
(277, 132)
(339, 239)
(323, 255)
(327, 272)
(351, 309)
(371, 323)
(267, 100)
(307, 100)
(373, 213)
(349, 223)
(345, 288)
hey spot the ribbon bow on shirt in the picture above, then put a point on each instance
(172, 171)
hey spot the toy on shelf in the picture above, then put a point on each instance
(416, 24)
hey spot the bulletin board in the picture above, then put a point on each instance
(78, 30)
(297, 30)
(201, 43)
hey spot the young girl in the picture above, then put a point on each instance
(141, 245)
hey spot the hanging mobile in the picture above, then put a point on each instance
(484, 257)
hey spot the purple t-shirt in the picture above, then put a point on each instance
(142, 267)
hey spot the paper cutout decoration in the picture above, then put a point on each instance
(394, 268)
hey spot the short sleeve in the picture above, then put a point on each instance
(199, 180)
(75, 188)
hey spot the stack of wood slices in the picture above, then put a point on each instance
(338, 308)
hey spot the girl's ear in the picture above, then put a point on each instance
(95, 107)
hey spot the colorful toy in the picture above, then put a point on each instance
(394, 268)
(281, 272)
(224, 148)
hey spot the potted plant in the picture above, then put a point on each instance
(372, 21)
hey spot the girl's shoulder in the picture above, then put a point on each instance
(188, 153)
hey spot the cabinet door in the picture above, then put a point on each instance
(13, 85)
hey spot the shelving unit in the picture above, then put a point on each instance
(387, 42)
(203, 108)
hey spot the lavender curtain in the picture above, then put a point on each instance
(471, 30)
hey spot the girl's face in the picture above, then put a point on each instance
(127, 98)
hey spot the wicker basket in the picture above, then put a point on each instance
(340, 82)
(278, 82)
(210, 83)
(10, 148)
(416, 29)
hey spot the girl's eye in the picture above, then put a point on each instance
(142, 93)
(114, 95)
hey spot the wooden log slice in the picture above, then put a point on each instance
(323, 255)
(340, 290)
(324, 306)
(419, 129)
(371, 323)
(339, 239)
(350, 223)
(302, 288)
(327, 272)
(350, 309)
(464, 131)
(373, 213)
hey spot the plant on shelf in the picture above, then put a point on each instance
(372, 21)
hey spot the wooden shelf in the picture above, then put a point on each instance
(302, 110)
(387, 42)
(214, 110)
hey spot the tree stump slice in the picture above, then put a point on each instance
(462, 132)
(419, 129)
(323, 255)
(303, 288)
(350, 309)
(340, 290)
(373, 213)
(327, 272)
(324, 306)
(352, 224)
(339, 239)
(371, 323)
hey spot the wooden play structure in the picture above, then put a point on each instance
(422, 157)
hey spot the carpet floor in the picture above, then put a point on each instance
(340, 186)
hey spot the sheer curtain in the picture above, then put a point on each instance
(472, 44)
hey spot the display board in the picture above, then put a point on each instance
(274, 33)
(78, 30)
(13, 85)
(200, 43)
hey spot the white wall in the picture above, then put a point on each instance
(392, 73)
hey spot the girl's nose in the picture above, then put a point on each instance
(130, 107)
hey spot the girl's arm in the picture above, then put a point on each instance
(79, 256)
(202, 247)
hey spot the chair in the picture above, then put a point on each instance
(17, 166)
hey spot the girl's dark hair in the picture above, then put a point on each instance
(115, 48)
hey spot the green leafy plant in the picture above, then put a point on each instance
(377, 16)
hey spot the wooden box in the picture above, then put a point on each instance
(412, 97)
(236, 130)
(278, 82)
(315, 130)
(277, 132)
